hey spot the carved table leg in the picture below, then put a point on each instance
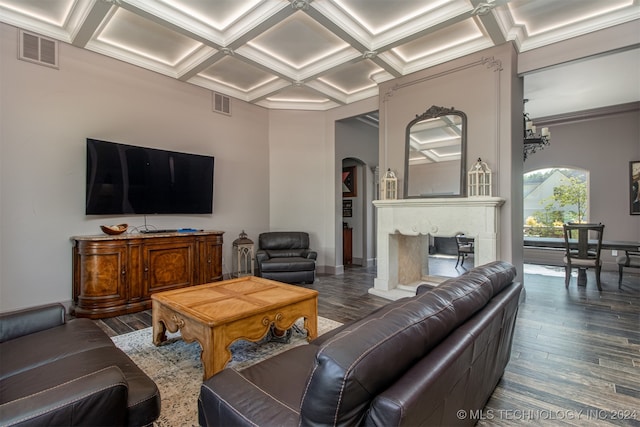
(311, 325)
(215, 353)
(159, 328)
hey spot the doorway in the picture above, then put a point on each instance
(356, 219)
(356, 155)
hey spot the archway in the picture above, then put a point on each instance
(552, 196)
(357, 212)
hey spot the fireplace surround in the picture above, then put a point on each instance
(404, 228)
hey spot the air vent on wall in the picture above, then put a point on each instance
(38, 49)
(221, 103)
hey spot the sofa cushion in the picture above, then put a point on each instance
(359, 362)
(500, 273)
(94, 399)
(285, 253)
(143, 398)
(375, 313)
(75, 336)
(283, 240)
(288, 264)
(265, 394)
(284, 377)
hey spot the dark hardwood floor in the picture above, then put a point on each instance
(576, 352)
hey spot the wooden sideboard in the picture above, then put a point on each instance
(115, 275)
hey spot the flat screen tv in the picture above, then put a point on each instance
(125, 179)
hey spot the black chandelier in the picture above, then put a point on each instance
(533, 141)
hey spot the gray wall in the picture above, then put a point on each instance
(357, 140)
(602, 144)
(274, 169)
(47, 114)
(486, 88)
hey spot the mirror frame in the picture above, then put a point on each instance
(432, 113)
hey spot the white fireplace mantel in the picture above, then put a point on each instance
(404, 227)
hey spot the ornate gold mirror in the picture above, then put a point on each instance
(435, 154)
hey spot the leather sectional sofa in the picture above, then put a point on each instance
(285, 256)
(421, 360)
(58, 372)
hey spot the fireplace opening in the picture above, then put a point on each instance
(427, 259)
(443, 257)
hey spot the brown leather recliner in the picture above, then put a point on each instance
(285, 256)
(54, 372)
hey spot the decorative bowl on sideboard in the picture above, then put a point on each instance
(114, 229)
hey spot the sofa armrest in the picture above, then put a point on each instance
(424, 288)
(96, 399)
(229, 399)
(311, 255)
(24, 322)
(262, 255)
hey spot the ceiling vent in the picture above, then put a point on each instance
(38, 49)
(221, 103)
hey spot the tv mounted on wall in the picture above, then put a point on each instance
(125, 179)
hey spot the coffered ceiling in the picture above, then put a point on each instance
(305, 54)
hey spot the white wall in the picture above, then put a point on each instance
(45, 117)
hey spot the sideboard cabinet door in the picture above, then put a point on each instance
(100, 277)
(211, 259)
(168, 264)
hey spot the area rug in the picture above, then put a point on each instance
(176, 368)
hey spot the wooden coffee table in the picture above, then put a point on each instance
(217, 314)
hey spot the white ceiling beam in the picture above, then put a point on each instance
(201, 66)
(177, 23)
(239, 42)
(391, 66)
(258, 60)
(335, 29)
(493, 28)
(483, 11)
(87, 28)
(260, 27)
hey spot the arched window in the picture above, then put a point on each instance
(552, 197)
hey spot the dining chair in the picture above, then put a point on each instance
(582, 244)
(465, 248)
(630, 259)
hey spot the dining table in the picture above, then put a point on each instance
(558, 243)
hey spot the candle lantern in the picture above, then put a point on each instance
(479, 179)
(243, 257)
(389, 186)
